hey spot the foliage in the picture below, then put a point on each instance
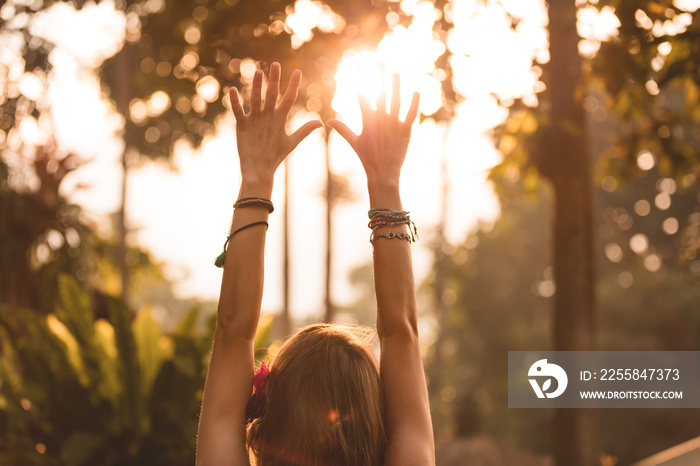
(41, 234)
(650, 76)
(639, 92)
(646, 77)
(116, 390)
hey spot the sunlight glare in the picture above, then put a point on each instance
(409, 52)
(687, 5)
(594, 27)
(306, 16)
(597, 25)
(97, 34)
(491, 57)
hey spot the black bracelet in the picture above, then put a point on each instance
(254, 201)
(221, 258)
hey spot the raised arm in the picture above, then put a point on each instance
(382, 147)
(262, 145)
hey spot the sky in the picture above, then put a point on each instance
(181, 211)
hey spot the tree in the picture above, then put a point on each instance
(640, 80)
(563, 158)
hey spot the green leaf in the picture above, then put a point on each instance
(130, 405)
(109, 385)
(188, 324)
(75, 311)
(262, 334)
(151, 350)
(73, 352)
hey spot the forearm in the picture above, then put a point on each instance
(401, 367)
(393, 269)
(242, 283)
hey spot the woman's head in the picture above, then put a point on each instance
(324, 402)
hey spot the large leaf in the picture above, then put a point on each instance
(262, 335)
(75, 311)
(131, 402)
(153, 348)
(72, 349)
(110, 385)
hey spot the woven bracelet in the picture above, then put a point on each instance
(254, 202)
(387, 213)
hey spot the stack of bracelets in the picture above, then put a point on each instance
(388, 217)
(244, 202)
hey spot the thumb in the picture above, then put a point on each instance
(343, 130)
(297, 136)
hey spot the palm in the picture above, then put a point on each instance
(263, 142)
(383, 142)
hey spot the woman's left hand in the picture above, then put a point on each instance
(263, 142)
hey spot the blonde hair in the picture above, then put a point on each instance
(324, 402)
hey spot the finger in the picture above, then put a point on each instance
(365, 106)
(412, 111)
(395, 96)
(236, 106)
(365, 109)
(381, 96)
(297, 136)
(273, 88)
(343, 130)
(256, 93)
(290, 95)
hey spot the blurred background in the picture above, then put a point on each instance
(553, 177)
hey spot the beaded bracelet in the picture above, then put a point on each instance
(221, 258)
(390, 235)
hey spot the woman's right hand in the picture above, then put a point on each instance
(383, 142)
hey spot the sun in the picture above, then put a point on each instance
(410, 52)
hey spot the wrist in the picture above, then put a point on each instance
(384, 194)
(256, 188)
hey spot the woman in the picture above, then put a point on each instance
(325, 401)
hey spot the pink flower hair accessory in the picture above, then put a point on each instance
(256, 405)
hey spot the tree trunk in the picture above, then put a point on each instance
(564, 158)
(437, 366)
(328, 315)
(286, 320)
(124, 91)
